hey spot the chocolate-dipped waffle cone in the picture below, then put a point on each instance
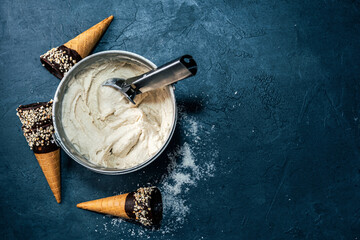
(38, 130)
(61, 59)
(143, 206)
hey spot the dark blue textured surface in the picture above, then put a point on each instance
(276, 102)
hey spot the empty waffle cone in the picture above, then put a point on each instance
(84, 43)
(50, 165)
(143, 206)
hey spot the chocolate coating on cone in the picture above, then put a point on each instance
(60, 60)
(41, 138)
(129, 205)
(148, 206)
(157, 207)
(37, 126)
(35, 114)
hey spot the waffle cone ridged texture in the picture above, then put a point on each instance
(50, 165)
(114, 205)
(84, 43)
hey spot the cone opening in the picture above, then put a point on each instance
(156, 207)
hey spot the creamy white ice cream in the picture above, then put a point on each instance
(105, 127)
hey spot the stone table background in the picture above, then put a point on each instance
(267, 143)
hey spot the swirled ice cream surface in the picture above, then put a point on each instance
(105, 127)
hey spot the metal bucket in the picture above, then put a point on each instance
(60, 135)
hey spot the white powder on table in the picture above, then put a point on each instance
(185, 172)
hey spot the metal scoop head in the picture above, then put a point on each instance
(120, 84)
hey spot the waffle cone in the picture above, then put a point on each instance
(50, 165)
(114, 205)
(84, 43)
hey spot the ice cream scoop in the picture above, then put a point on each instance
(167, 74)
